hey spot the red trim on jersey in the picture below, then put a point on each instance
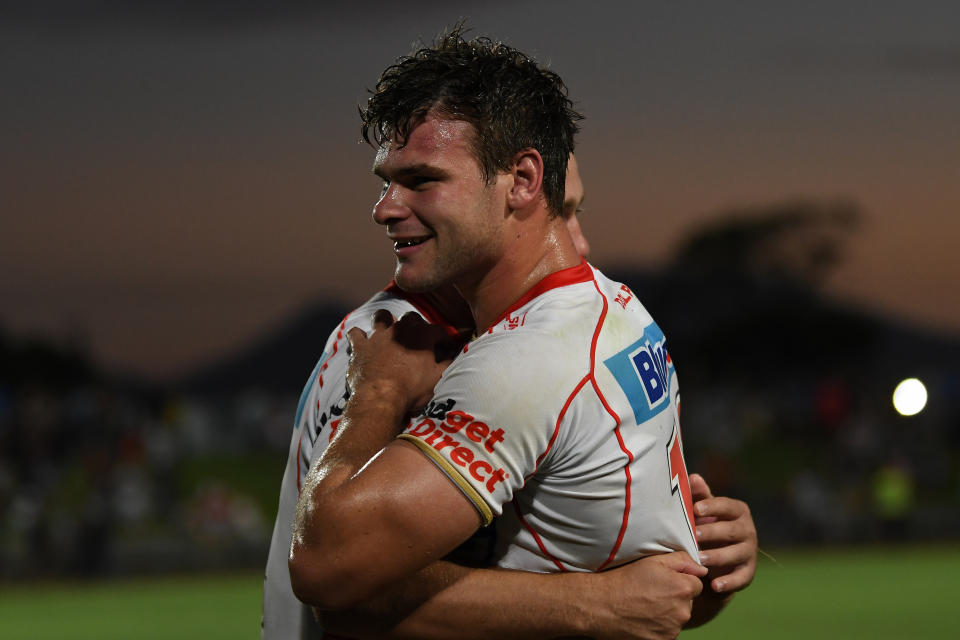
(616, 418)
(583, 272)
(323, 367)
(424, 306)
(537, 539)
(574, 276)
(336, 347)
(556, 428)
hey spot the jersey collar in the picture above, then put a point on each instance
(424, 306)
(582, 272)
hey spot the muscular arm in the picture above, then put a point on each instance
(373, 509)
(374, 513)
(365, 519)
(650, 598)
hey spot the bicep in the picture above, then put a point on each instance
(418, 503)
(393, 517)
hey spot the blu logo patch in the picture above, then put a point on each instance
(643, 370)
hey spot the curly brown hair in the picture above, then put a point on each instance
(511, 101)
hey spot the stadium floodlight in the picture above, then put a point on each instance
(910, 397)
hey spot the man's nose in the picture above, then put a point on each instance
(391, 206)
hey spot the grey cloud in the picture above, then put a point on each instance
(904, 59)
(60, 15)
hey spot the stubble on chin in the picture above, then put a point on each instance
(445, 269)
(412, 283)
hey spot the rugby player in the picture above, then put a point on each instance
(624, 597)
(375, 510)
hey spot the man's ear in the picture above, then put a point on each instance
(527, 171)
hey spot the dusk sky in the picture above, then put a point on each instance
(178, 177)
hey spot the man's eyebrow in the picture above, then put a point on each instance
(567, 204)
(421, 168)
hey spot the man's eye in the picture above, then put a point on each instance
(383, 189)
(419, 181)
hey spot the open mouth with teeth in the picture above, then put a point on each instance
(409, 242)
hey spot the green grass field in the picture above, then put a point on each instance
(889, 592)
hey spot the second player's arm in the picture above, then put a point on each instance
(728, 541)
(373, 509)
(367, 518)
(648, 599)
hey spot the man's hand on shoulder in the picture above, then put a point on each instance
(400, 361)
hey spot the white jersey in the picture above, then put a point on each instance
(318, 416)
(566, 408)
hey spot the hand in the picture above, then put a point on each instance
(400, 361)
(649, 598)
(727, 538)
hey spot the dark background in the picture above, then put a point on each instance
(185, 218)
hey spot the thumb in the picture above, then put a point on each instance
(699, 487)
(681, 562)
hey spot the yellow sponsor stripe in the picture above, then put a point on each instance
(485, 513)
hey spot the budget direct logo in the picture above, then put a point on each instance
(464, 441)
(643, 370)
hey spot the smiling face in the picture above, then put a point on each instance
(446, 222)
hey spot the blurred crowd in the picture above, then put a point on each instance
(105, 476)
(99, 478)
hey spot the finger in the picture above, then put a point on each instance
(732, 555)
(446, 350)
(724, 532)
(382, 319)
(722, 507)
(696, 586)
(681, 562)
(414, 332)
(412, 316)
(356, 336)
(739, 578)
(699, 487)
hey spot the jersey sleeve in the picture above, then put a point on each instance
(494, 416)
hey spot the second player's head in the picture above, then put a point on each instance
(512, 103)
(573, 207)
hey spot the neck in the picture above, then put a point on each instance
(529, 256)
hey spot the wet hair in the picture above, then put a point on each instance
(511, 101)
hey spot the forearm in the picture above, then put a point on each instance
(325, 523)
(476, 603)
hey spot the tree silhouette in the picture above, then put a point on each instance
(794, 242)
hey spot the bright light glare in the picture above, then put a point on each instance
(910, 397)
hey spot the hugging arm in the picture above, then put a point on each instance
(649, 599)
(375, 516)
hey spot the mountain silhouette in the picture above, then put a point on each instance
(718, 326)
(279, 360)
